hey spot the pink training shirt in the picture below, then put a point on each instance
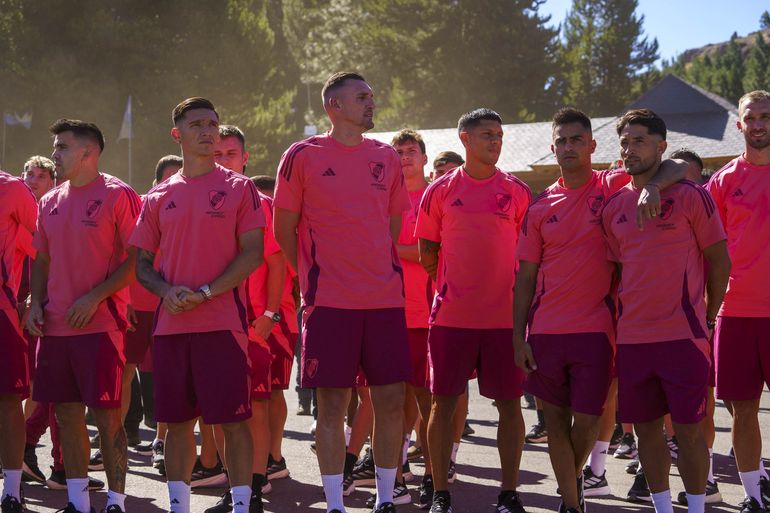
(741, 192)
(18, 215)
(345, 196)
(562, 233)
(418, 285)
(477, 223)
(85, 232)
(193, 224)
(661, 290)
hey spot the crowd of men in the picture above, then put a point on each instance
(637, 292)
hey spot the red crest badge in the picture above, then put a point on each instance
(503, 202)
(217, 199)
(377, 169)
(92, 208)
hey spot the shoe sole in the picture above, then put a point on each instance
(364, 482)
(266, 489)
(347, 491)
(30, 475)
(408, 477)
(403, 499)
(143, 453)
(278, 475)
(96, 468)
(211, 482)
(538, 440)
(597, 492)
(634, 498)
(710, 499)
(630, 456)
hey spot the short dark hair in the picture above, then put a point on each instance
(81, 130)
(447, 157)
(644, 117)
(163, 163)
(337, 80)
(759, 95)
(40, 162)
(196, 102)
(687, 154)
(474, 118)
(567, 115)
(232, 131)
(263, 182)
(408, 135)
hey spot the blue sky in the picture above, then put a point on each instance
(683, 24)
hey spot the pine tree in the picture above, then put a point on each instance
(757, 74)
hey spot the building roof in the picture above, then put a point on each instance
(695, 118)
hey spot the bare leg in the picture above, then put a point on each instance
(113, 445)
(129, 371)
(329, 435)
(747, 439)
(12, 431)
(440, 431)
(510, 441)
(179, 451)
(693, 461)
(277, 420)
(387, 436)
(362, 422)
(208, 445)
(423, 396)
(239, 454)
(654, 454)
(259, 427)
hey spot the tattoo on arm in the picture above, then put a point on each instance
(147, 275)
(120, 465)
(429, 256)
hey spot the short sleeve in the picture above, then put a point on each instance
(271, 245)
(399, 197)
(126, 210)
(705, 222)
(430, 214)
(715, 188)
(289, 186)
(146, 234)
(613, 248)
(522, 200)
(250, 215)
(530, 246)
(26, 206)
(613, 180)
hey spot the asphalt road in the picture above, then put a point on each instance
(475, 490)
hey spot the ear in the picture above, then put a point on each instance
(593, 145)
(176, 135)
(245, 157)
(553, 149)
(464, 138)
(739, 126)
(662, 145)
(424, 160)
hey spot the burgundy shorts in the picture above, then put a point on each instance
(418, 348)
(663, 377)
(80, 369)
(14, 356)
(336, 342)
(742, 357)
(138, 341)
(32, 353)
(260, 360)
(573, 370)
(712, 364)
(202, 374)
(454, 353)
(282, 349)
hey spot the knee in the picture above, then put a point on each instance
(107, 419)
(745, 409)
(689, 435)
(509, 410)
(69, 413)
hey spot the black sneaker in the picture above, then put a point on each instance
(468, 430)
(538, 434)
(255, 504)
(112, 508)
(348, 485)
(132, 437)
(11, 505)
(208, 477)
(764, 489)
(632, 467)
(673, 447)
(95, 442)
(712, 494)
(400, 495)
(593, 485)
(616, 438)
(406, 472)
(750, 505)
(627, 448)
(386, 507)
(639, 491)
(509, 502)
(29, 468)
(223, 505)
(426, 492)
(58, 481)
(363, 472)
(96, 462)
(276, 469)
(70, 508)
(442, 503)
(145, 449)
(452, 473)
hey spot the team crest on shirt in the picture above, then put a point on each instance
(217, 199)
(666, 208)
(377, 170)
(595, 204)
(503, 201)
(92, 208)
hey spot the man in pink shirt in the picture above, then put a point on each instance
(664, 321)
(741, 191)
(339, 201)
(468, 226)
(205, 222)
(17, 215)
(79, 298)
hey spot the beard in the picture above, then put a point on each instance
(641, 166)
(758, 144)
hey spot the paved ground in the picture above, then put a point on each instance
(475, 489)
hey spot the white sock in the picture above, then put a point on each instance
(455, 447)
(156, 440)
(599, 458)
(404, 448)
(348, 432)
(762, 471)
(11, 483)
(333, 490)
(662, 502)
(116, 498)
(750, 482)
(241, 498)
(179, 497)
(696, 503)
(386, 480)
(77, 493)
(711, 466)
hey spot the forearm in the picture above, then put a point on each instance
(669, 172)
(38, 282)
(276, 279)
(121, 278)
(148, 276)
(716, 285)
(523, 294)
(236, 273)
(429, 257)
(408, 252)
(288, 243)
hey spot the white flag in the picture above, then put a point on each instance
(15, 119)
(125, 128)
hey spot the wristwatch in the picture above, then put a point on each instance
(206, 291)
(273, 316)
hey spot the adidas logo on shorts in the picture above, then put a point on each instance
(241, 410)
(329, 172)
(622, 219)
(105, 397)
(19, 383)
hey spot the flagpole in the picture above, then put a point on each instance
(130, 175)
(2, 161)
